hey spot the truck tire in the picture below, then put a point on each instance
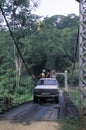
(41, 100)
(35, 99)
(56, 100)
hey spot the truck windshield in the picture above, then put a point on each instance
(47, 82)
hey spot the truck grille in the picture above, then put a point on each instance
(47, 91)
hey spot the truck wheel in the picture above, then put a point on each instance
(35, 99)
(56, 100)
(41, 100)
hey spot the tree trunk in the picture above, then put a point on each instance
(18, 64)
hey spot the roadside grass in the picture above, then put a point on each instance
(74, 93)
(72, 123)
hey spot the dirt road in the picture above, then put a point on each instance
(43, 125)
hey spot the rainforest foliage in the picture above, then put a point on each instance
(44, 44)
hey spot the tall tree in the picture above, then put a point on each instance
(21, 21)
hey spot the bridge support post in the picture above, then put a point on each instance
(66, 84)
(82, 61)
(65, 76)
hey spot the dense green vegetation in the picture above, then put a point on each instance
(71, 124)
(49, 44)
(74, 92)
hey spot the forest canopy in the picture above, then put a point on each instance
(47, 44)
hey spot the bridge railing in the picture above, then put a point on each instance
(66, 80)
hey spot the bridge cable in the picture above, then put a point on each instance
(75, 53)
(11, 33)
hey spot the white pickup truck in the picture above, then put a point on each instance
(46, 89)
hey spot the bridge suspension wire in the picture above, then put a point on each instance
(75, 53)
(11, 33)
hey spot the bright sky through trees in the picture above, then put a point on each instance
(57, 7)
